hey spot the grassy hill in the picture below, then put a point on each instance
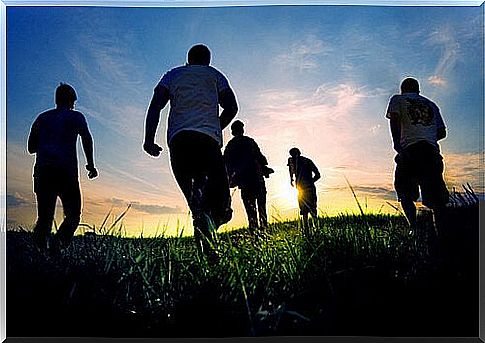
(348, 275)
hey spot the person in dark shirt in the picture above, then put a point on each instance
(303, 175)
(246, 168)
(53, 138)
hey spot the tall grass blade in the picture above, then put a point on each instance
(121, 216)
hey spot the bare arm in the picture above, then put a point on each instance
(33, 142)
(228, 102)
(317, 175)
(87, 142)
(259, 155)
(159, 101)
(396, 132)
(291, 171)
(441, 133)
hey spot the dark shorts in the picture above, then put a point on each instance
(307, 200)
(50, 183)
(420, 166)
(254, 192)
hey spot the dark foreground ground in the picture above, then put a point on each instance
(350, 276)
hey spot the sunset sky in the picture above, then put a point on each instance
(315, 77)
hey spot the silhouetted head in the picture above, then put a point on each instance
(295, 152)
(199, 54)
(237, 128)
(65, 96)
(410, 85)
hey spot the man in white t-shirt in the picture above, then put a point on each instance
(194, 137)
(416, 127)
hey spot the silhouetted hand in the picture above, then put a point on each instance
(92, 171)
(292, 184)
(152, 149)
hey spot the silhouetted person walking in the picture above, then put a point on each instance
(247, 167)
(416, 127)
(303, 175)
(194, 136)
(53, 138)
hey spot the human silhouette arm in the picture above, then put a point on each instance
(159, 101)
(228, 102)
(291, 171)
(87, 142)
(316, 173)
(260, 158)
(33, 142)
(441, 133)
(229, 158)
(395, 131)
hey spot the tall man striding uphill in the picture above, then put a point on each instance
(194, 137)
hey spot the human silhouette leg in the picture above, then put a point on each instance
(409, 209)
(186, 170)
(249, 200)
(70, 197)
(433, 188)
(308, 204)
(191, 187)
(46, 194)
(261, 201)
(198, 167)
(217, 197)
(304, 217)
(406, 184)
(312, 202)
(46, 205)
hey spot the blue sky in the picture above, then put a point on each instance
(316, 77)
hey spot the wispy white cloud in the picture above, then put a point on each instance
(361, 191)
(445, 40)
(154, 209)
(17, 200)
(327, 102)
(305, 53)
(465, 168)
(108, 73)
(437, 81)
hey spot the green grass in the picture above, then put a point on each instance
(350, 274)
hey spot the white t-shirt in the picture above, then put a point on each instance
(194, 100)
(420, 118)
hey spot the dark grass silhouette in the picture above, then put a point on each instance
(349, 275)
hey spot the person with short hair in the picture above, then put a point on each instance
(53, 139)
(303, 175)
(194, 136)
(247, 167)
(416, 127)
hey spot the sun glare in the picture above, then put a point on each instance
(290, 195)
